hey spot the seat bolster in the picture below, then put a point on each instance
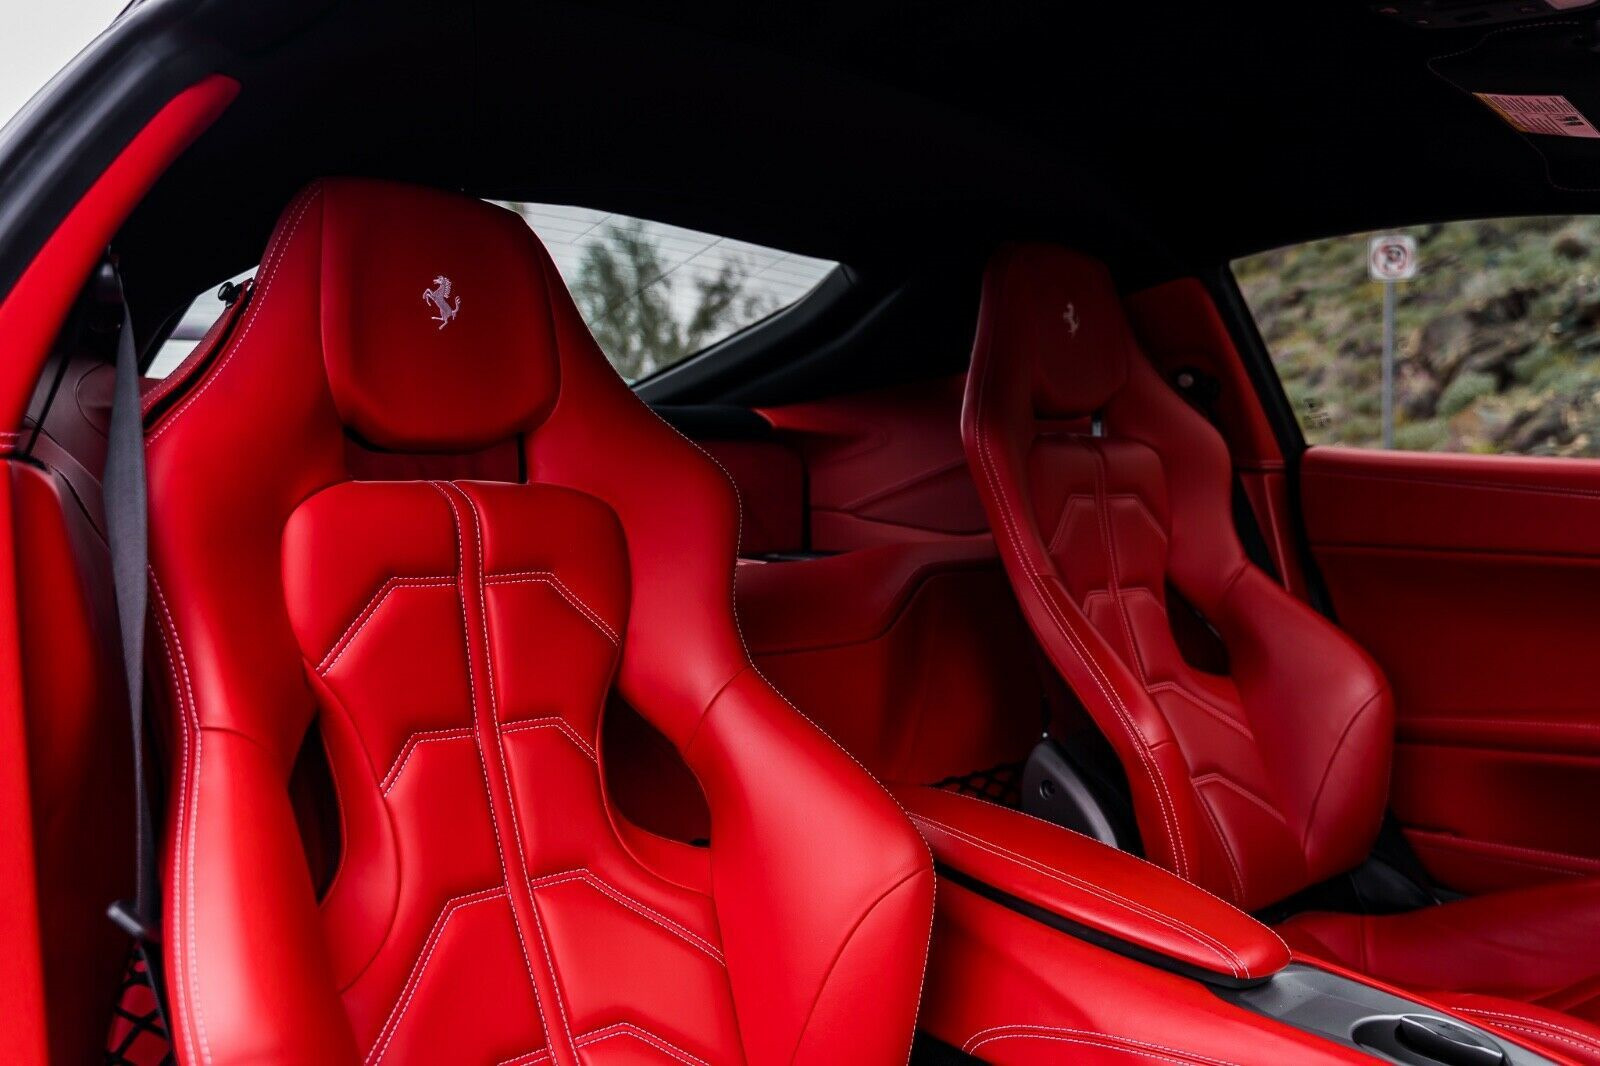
(253, 983)
(823, 889)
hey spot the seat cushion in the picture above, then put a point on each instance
(1525, 960)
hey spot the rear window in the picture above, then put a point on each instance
(655, 294)
(1496, 337)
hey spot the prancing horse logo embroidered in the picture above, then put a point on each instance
(1070, 317)
(439, 298)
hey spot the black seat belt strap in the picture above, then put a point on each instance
(127, 526)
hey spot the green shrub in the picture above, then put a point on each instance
(1465, 390)
(1428, 436)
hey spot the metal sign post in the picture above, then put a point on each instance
(1390, 258)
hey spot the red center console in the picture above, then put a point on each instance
(1052, 947)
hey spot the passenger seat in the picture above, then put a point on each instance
(1108, 494)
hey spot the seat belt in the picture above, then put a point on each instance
(123, 490)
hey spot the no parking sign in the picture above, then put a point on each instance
(1392, 257)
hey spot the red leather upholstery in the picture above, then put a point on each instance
(1092, 885)
(1258, 782)
(1525, 959)
(455, 642)
(1253, 783)
(884, 467)
(1048, 998)
(913, 656)
(1472, 580)
(78, 768)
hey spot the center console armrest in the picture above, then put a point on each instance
(1092, 891)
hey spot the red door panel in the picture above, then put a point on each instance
(1475, 582)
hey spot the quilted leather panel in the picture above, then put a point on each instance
(1106, 501)
(465, 636)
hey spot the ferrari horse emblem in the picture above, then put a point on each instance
(438, 298)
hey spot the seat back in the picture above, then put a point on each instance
(454, 642)
(1255, 772)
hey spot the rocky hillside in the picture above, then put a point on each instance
(1498, 337)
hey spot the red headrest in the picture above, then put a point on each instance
(436, 326)
(1060, 309)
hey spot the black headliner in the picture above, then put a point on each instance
(1165, 138)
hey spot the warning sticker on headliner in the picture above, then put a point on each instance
(1552, 116)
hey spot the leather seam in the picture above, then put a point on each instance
(644, 1036)
(1327, 771)
(744, 644)
(402, 1006)
(1158, 786)
(1106, 1041)
(584, 875)
(1538, 1024)
(189, 790)
(370, 611)
(447, 488)
(1128, 855)
(560, 725)
(275, 254)
(844, 946)
(1487, 849)
(488, 793)
(1235, 873)
(1231, 958)
(546, 577)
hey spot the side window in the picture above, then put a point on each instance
(1495, 337)
(202, 311)
(655, 294)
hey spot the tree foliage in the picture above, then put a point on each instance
(625, 290)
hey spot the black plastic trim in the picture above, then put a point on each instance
(714, 421)
(1088, 934)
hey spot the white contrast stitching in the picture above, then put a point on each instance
(1538, 1023)
(750, 663)
(523, 725)
(1136, 858)
(643, 1036)
(545, 577)
(488, 793)
(275, 253)
(1107, 691)
(587, 876)
(414, 741)
(370, 611)
(1229, 957)
(446, 488)
(1106, 1041)
(398, 1012)
(189, 789)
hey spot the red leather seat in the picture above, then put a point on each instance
(454, 641)
(1106, 492)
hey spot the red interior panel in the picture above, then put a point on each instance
(78, 765)
(885, 467)
(914, 657)
(1473, 581)
(772, 493)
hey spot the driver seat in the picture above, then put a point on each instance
(323, 573)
